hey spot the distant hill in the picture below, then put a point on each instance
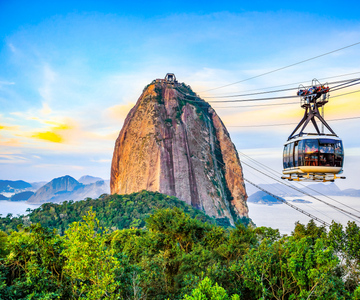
(351, 192)
(23, 196)
(36, 185)
(68, 188)
(113, 211)
(87, 179)
(10, 186)
(2, 197)
(261, 197)
(329, 189)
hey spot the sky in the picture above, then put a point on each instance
(70, 73)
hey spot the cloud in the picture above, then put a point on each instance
(46, 110)
(12, 47)
(12, 142)
(8, 128)
(101, 160)
(6, 83)
(48, 136)
(55, 134)
(119, 111)
(12, 159)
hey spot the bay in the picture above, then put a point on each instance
(15, 207)
(283, 217)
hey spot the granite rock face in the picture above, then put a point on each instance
(180, 148)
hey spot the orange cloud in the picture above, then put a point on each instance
(54, 134)
(4, 127)
(11, 142)
(119, 111)
(48, 136)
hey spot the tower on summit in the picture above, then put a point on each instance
(170, 78)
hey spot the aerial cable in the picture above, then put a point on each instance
(285, 124)
(289, 204)
(343, 87)
(313, 208)
(303, 185)
(301, 82)
(282, 68)
(281, 103)
(348, 214)
(256, 99)
(271, 104)
(278, 91)
(345, 83)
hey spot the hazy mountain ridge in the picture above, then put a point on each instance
(283, 191)
(57, 190)
(260, 197)
(68, 188)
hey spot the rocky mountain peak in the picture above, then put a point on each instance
(175, 143)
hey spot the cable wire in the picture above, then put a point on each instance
(285, 124)
(277, 91)
(277, 86)
(282, 68)
(256, 99)
(303, 185)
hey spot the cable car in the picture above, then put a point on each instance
(313, 156)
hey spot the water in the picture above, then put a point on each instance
(283, 217)
(15, 207)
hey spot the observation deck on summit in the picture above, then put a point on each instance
(169, 79)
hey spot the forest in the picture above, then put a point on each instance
(170, 252)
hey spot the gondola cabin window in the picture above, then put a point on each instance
(296, 154)
(301, 150)
(338, 154)
(286, 156)
(291, 155)
(311, 152)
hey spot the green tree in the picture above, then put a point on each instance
(90, 264)
(33, 266)
(206, 290)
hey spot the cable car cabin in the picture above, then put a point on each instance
(313, 157)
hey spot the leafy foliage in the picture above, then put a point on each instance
(177, 255)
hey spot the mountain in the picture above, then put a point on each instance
(87, 179)
(10, 186)
(179, 148)
(67, 188)
(23, 196)
(277, 189)
(2, 197)
(351, 192)
(329, 189)
(54, 188)
(261, 197)
(36, 185)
